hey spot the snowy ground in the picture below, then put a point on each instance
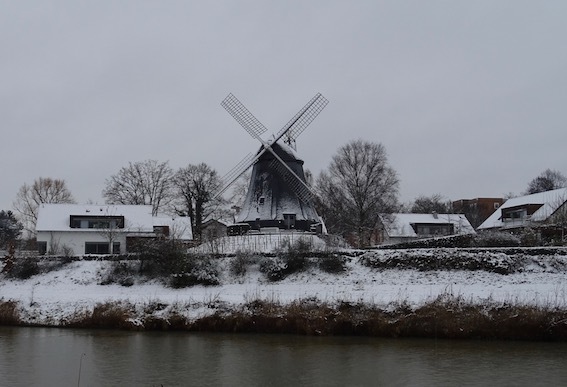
(54, 297)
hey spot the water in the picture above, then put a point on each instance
(59, 357)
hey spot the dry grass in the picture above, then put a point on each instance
(445, 317)
(9, 314)
(448, 316)
(112, 315)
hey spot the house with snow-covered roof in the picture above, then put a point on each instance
(78, 229)
(399, 228)
(528, 211)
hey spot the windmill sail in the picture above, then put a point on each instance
(302, 119)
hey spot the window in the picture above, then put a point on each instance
(98, 222)
(433, 229)
(101, 248)
(496, 205)
(515, 214)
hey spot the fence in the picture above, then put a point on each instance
(260, 243)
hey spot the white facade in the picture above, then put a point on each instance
(94, 229)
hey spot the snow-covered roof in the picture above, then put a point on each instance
(550, 201)
(137, 218)
(400, 225)
(55, 217)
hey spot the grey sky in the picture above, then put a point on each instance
(468, 97)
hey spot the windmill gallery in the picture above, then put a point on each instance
(278, 196)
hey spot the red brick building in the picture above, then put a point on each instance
(477, 210)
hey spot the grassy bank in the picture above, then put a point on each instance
(472, 293)
(446, 317)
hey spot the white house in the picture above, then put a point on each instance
(79, 229)
(398, 228)
(528, 210)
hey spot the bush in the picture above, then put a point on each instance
(445, 259)
(293, 258)
(195, 270)
(466, 240)
(274, 268)
(496, 239)
(240, 263)
(333, 264)
(24, 268)
(121, 272)
(529, 237)
(161, 257)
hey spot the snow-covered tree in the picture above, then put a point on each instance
(42, 191)
(358, 185)
(145, 182)
(546, 181)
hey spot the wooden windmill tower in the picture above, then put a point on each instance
(278, 195)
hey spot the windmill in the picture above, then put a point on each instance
(278, 195)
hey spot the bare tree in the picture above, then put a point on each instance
(546, 181)
(196, 186)
(111, 229)
(429, 204)
(238, 193)
(42, 191)
(145, 182)
(358, 185)
(558, 219)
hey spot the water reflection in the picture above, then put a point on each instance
(52, 357)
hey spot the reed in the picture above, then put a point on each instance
(445, 317)
(9, 313)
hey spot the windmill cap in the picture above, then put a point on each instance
(282, 150)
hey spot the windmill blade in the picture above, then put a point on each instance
(233, 175)
(243, 116)
(284, 167)
(298, 186)
(303, 118)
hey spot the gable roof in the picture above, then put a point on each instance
(550, 201)
(400, 225)
(55, 217)
(138, 218)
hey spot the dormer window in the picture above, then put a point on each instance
(96, 222)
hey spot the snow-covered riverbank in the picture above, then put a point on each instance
(55, 297)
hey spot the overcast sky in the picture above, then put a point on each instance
(468, 97)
